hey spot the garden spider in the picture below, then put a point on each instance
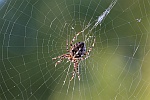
(76, 53)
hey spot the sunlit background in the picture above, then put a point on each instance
(32, 32)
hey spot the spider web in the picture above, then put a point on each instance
(32, 32)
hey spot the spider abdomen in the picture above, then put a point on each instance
(79, 49)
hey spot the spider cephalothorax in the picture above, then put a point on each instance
(76, 53)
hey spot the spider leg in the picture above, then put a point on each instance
(56, 58)
(59, 61)
(67, 46)
(75, 71)
(74, 38)
(61, 58)
(90, 49)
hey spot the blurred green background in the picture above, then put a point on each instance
(32, 32)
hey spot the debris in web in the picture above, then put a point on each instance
(104, 14)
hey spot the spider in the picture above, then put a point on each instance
(75, 54)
